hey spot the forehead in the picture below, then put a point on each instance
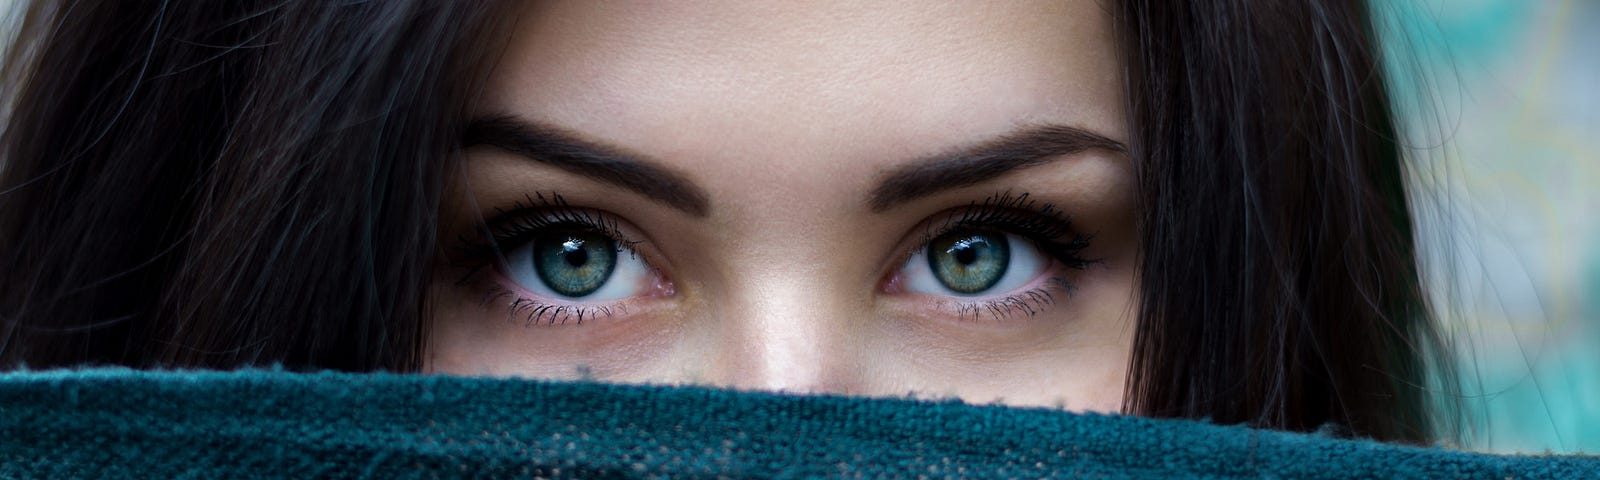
(857, 85)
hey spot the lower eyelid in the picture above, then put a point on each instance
(532, 310)
(1027, 302)
(1041, 294)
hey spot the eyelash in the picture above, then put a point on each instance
(1018, 214)
(534, 312)
(517, 226)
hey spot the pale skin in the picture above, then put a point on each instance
(787, 118)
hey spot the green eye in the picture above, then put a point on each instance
(969, 261)
(574, 264)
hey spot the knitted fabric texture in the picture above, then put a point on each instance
(251, 424)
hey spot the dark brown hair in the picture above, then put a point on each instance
(216, 184)
(1279, 271)
(221, 184)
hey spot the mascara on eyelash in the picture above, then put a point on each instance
(535, 215)
(534, 312)
(539, 213)
(1031, 302)
(1044, 224)
(1041, 223)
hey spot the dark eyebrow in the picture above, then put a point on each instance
(571, 152)
(970, 165)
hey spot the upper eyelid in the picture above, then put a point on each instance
(556, 206)
(980, 215)
(485, 243)
(630, 238)
(922, 234)
(600, 221)
(605, 223)
(958, 218)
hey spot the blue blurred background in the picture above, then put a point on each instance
(1502, 98)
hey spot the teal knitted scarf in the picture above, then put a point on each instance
(121, 423)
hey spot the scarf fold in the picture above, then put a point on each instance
(115, 423)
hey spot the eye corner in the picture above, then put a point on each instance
(893, 283)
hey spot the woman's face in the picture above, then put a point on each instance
(913, 198)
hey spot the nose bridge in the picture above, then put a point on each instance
(786, 297)
(772, 338)
(786, 321)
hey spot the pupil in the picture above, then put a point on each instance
(966, 254)
(576, 254)
(574, 264)
(969, 261)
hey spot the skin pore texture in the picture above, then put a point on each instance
(776, 260)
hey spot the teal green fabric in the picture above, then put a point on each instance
(121, 423)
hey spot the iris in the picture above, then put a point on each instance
(969, 261)
(574, 264)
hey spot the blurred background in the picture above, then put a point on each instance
(1502, 98)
